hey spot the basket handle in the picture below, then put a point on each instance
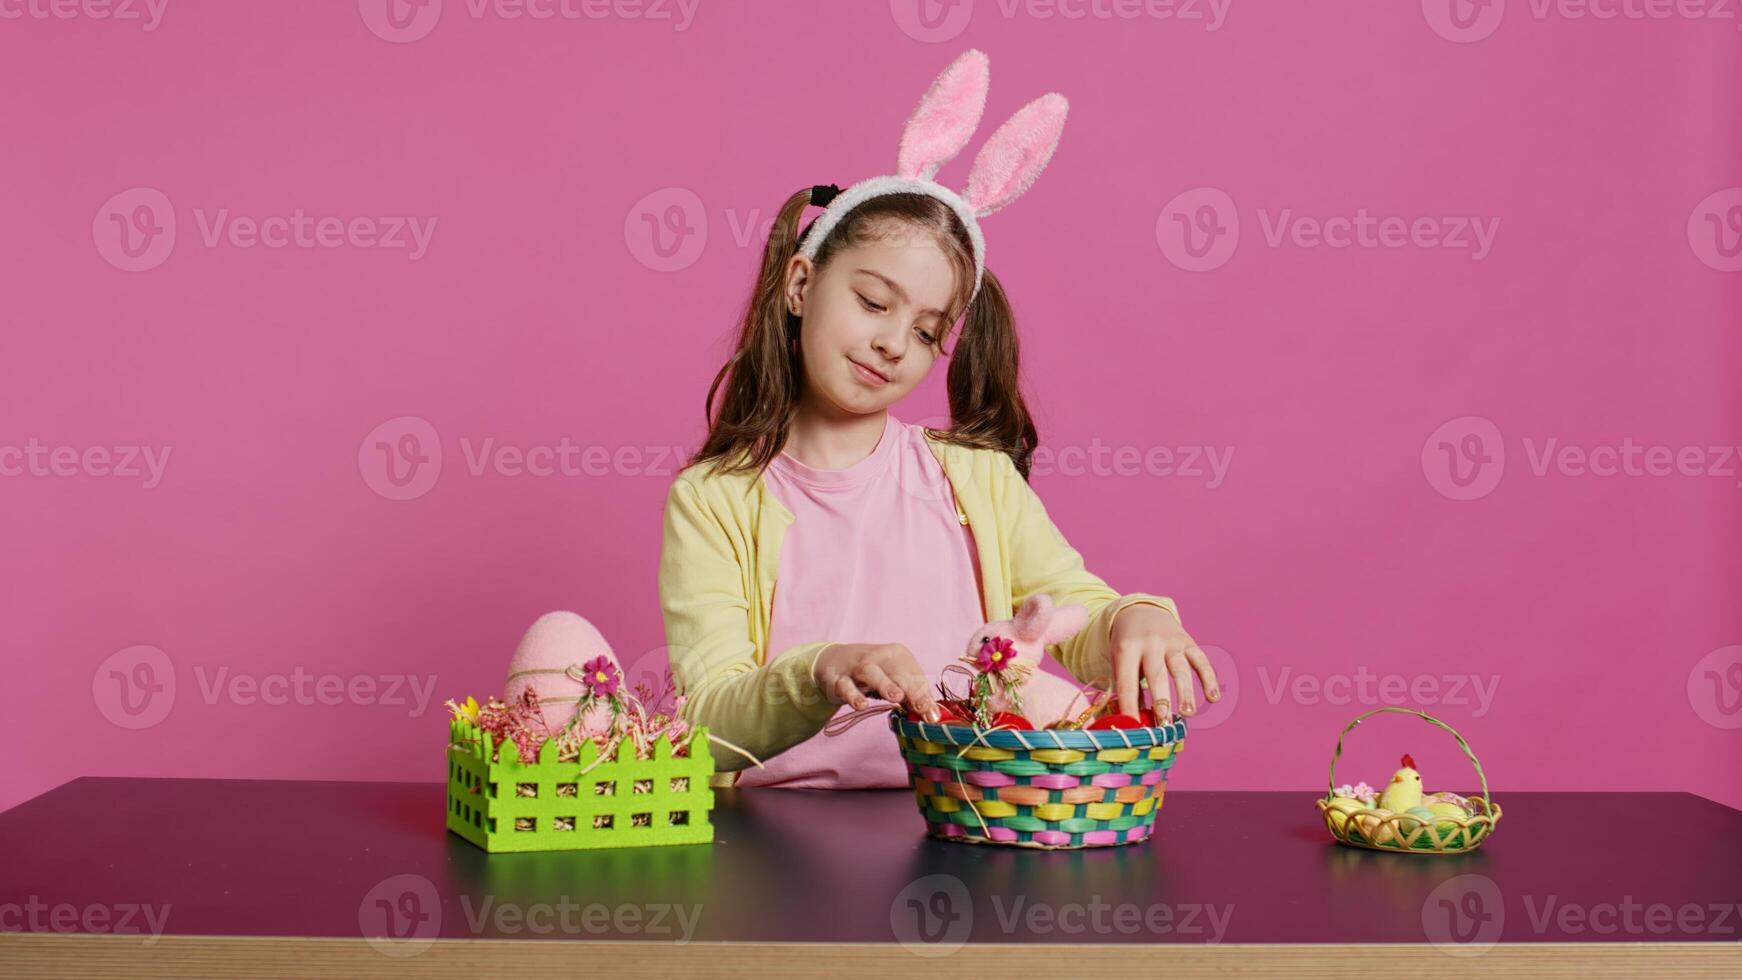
(1487, 803)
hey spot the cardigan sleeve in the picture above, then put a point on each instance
(1041, 560)
(763, 708)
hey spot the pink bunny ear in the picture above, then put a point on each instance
(1032, 616)
(1016, 154)
(1067, 620)
(946, 118)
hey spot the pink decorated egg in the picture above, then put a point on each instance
(555, 643)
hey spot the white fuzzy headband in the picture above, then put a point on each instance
(945, 120)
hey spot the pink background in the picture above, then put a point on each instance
(1599, 612)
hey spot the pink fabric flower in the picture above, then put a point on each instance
(601, 676)
(996, 654)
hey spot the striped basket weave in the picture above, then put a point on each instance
(1047, 789)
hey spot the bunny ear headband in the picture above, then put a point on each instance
(946, 118)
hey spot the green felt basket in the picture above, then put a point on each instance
(1381, 830)
(1049, 788)
(503, 804)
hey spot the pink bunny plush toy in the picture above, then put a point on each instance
(1024, 638)
(939, 128)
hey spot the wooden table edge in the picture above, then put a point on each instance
(97, 955)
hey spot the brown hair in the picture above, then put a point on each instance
(762, 376)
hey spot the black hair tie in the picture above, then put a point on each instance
(822, 194)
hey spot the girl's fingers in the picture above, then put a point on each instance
(1154, 673)
(875, 678)
(1200, 662)
(848, 692)
(919, 696)
(1127, 661)
(1182, 682)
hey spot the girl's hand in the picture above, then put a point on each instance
(847, 673)
(1149, 643)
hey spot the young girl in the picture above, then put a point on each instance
(818, 552)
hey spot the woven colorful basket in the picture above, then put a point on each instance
(1047, 789)
(1386, 831)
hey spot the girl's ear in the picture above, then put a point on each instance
(798, 270)
(1016, 154)
(946, 117)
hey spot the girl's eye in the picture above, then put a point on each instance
(873, 307)
(927, 337)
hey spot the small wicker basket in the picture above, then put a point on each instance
(1379, 831)
(1052, 789)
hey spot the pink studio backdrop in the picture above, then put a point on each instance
(1400, 348)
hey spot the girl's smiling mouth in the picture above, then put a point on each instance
(871, 377)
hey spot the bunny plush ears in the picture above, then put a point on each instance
(946, 118)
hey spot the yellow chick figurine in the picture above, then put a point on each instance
(1404, 790)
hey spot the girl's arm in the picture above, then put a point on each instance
(764, 709)
(1041, 560)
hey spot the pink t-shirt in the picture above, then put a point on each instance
(875, 554)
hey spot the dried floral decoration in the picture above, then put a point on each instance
(637, 718)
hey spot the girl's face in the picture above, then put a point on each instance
(873, 322)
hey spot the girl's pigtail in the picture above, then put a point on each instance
(761, 379)
(986, 406)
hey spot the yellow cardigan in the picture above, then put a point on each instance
(717, 571)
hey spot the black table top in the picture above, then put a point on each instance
(350, 859)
